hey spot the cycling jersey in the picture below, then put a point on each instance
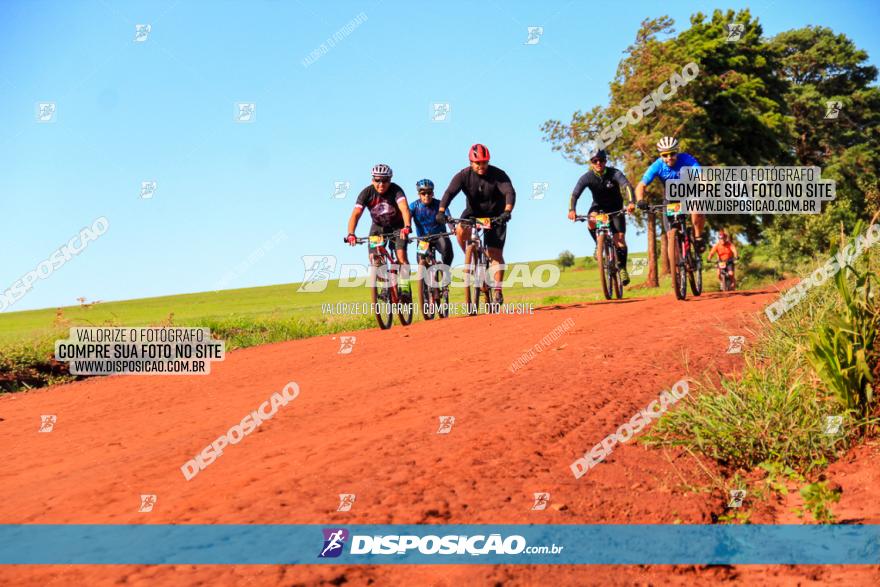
(487, 195)
(424, 217)
(383, 207)
(605, 189)
(723, 250)
(660, 169)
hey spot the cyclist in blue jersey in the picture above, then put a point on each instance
(668, 166)
(424, 214)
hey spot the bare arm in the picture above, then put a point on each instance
(353, 219)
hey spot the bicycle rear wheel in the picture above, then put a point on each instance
(604, 275)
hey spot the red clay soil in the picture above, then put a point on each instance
(366, 423)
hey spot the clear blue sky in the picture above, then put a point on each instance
(163, 110)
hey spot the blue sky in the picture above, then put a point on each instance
(163, 110)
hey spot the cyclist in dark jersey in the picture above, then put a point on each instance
(424, 214)
(605, 183)
(489, 193)
(387, 205)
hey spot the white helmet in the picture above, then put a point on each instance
(667, 144)
(382, 170)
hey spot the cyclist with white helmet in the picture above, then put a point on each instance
(605, 185)
(387, 205)
(424, 214)
(668, 166)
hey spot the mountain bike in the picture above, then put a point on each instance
(477, 284)
(388, 299)
(606, 254)
(433, 295)
(688, 263)
(724, 271)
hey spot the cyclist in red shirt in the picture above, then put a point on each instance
(727, 254)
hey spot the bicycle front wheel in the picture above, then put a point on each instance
(604, 275)
(381, 296)
(680, 274)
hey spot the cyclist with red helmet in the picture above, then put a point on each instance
(489, 193)
(387, 205)
(725, 248)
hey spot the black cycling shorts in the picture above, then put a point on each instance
(495, 236)
(396, 241)
(618, 221)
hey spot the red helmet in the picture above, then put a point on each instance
(478, 153)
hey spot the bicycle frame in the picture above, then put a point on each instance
(479, 260)
(609, 272)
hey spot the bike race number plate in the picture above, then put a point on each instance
(484, 223)
(376, 241)
(423, 248)
(673, 209)
(602, 221)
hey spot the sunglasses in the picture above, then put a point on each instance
(426, 192)
(668, 155)
(597, 161)
(381, 180)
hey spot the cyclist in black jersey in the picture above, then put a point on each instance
(489, 193)
(605, 183)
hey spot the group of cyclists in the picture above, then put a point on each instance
(490, 193)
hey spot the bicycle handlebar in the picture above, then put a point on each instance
(472, 221)
(584, 218)
(429, 237)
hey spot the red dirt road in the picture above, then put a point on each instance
(365, 426)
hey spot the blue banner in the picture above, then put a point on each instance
(354, 544)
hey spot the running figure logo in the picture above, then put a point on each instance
(141, 32)
(736, 344)
(340, 189)
(318, 269)
(446, 423)
(245, 112)
(334, 540)
(639, 264)
(541, 501)
(535, 33)
(46, 112)
(346, 344)
(540, 189)
(47, 423)
(736, 498)
(832, 109)
(832, 424)
(735, 31)
(148, 188)
(346, 500)
(440, 112)
(147, 502)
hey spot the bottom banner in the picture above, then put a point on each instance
(367, 544)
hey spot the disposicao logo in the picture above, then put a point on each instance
(334, 540)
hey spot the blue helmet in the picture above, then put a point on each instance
(425, 184)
